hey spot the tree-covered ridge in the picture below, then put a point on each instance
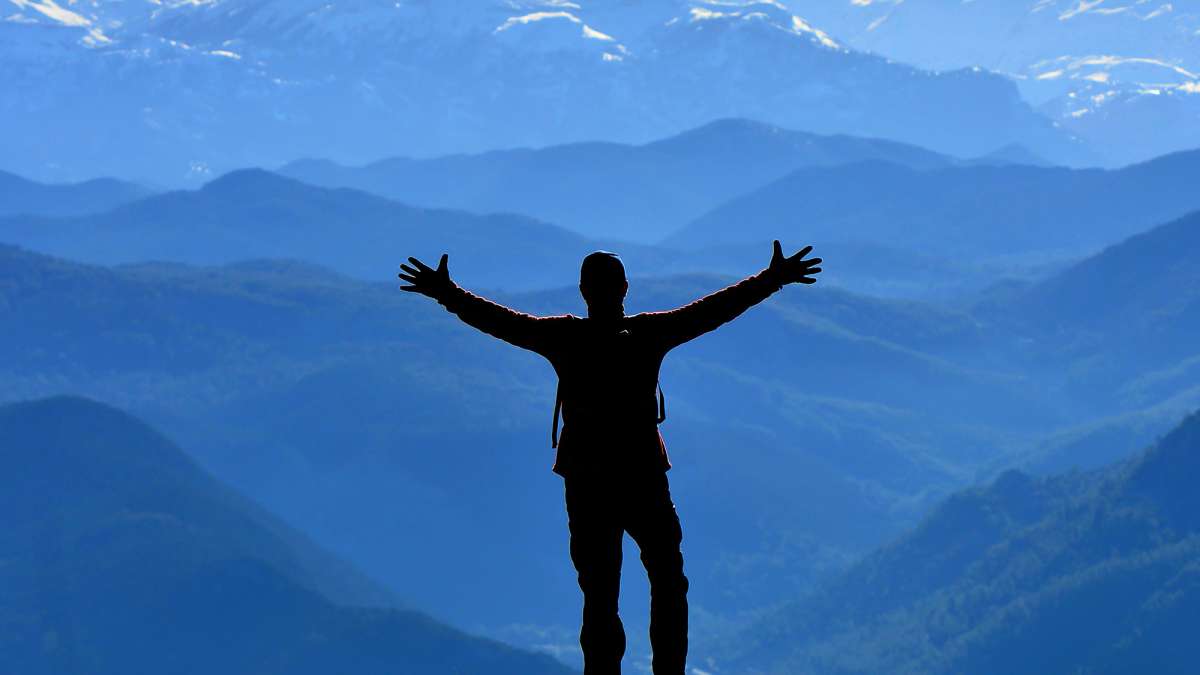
(1087, 572)
(121, 555)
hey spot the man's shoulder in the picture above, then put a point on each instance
(647, 318)
(560, 321)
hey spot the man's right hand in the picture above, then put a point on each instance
(426, 280)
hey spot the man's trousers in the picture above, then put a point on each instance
(600, 512)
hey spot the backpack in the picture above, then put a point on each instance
(662, 412)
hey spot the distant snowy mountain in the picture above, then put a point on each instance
(1124, 74)
(165, 89)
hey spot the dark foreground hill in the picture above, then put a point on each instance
(122, 556)
(1080, 573)
(21, 196)
(611, 190)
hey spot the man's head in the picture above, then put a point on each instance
(602, 283)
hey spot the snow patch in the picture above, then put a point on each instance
(798, 25)
(593, 34)
(51, 10)
(95, 38)
(701, 14)
(586, 31)
(801, 26)
(1082, 8)
(1119, 60)
(527, 19)
(1165, 9)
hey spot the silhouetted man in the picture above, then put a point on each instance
(611, 455)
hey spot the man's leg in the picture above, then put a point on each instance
(596, 552)
(653, 523)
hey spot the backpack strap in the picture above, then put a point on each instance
(557, 410)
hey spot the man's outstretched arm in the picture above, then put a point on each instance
(517, 328)
(709, 312)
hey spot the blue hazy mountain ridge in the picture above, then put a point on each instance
(121, 555)
(257, 214)
(1012, 154)
(610, 190)
(1118, 331)
(1132, 312)
(284, 80)
(975, 212)
(254, 213)
(372, 421)
(22, 196)
(1152, 274)
(1084, 572)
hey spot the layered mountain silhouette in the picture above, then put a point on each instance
(1085, 572)
(1141, 291)
(916, 225)
(257, 214)
(975, 212)
(121, 555)
(609, 190)
(22, 196)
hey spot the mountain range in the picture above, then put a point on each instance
(973, 213)
(20, 196)
(636, 193)
(121, 555)
(349, 409)
(898, 221)
(1123, 75)
(1086, 572)
(252, 213)
(184, 90)
(357, 412)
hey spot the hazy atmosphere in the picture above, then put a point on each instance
(230, 443)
